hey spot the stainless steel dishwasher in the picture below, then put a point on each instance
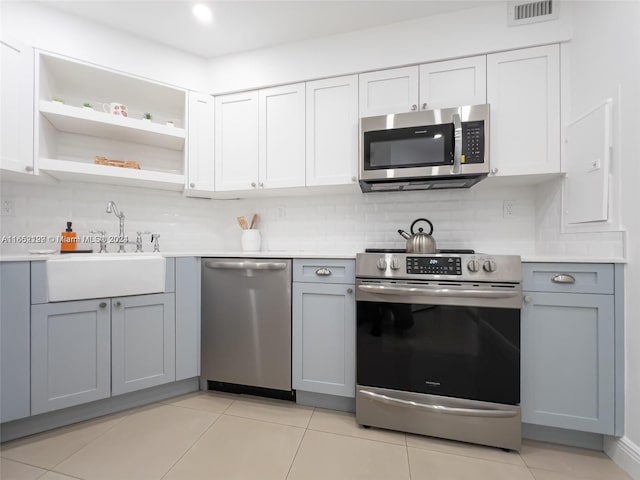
(246, 325)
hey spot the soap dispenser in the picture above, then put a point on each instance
(69, 239)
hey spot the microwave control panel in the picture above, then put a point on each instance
(434, 265)
(473, 142)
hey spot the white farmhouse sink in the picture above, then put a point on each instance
(106, 275)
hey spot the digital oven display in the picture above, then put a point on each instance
(434, 265)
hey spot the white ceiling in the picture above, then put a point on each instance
(242, 25)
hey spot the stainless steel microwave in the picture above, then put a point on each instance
(432, 149)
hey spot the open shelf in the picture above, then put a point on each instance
(88, 172)
(84, 121)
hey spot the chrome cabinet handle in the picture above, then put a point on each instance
(253, 184)
(467, 412)
(349, 290)
(353, 179)
(192, 185)
(118, 303)
(414, 108)
(563, 278)
(103, 304)
(28, 168)
(261, 184)
(527, 299)
(323, 272)
(494, 171)
(424, 106)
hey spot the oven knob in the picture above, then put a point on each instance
(473, 265)
(395, 264)
(381, 264)
(489, 265)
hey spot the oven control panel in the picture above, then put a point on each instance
(434, 265)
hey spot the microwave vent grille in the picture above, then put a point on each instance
(524, 12)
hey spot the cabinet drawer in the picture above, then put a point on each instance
(567, 278)
(324, 270)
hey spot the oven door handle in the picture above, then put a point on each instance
(444, 292)
(468, 412)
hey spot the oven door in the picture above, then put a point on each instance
(447, 339)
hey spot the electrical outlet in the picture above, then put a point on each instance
(509, 208)
(7, 207)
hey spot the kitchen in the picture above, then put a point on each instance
(500, 215)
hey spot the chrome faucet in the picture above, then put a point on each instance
(111, 208)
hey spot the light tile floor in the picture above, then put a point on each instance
(235, 437)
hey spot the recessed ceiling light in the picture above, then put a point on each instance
(202, 12)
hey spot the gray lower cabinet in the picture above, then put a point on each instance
(324, 336)
(142, 342)
(187, 317)
(568, 348)
(70, 353)
(15, 306)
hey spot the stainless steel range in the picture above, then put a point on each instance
(438, 345)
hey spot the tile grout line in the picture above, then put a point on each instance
(300, 444)
(406, 446)
(360, 438)
(51, 469)
(192, 445)
(129, 412)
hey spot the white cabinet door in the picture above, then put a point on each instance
(389, 91)
(453, 83)
(523, 89)
(200, 169)
(16, 106)
(70, 354)
(324, 329)
(143, 339)
(236, 141)
(281, 138)
(332, 131)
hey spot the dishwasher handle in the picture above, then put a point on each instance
(244, 265)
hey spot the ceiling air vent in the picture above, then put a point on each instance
(522, 12)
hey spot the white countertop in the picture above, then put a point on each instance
(21, 257)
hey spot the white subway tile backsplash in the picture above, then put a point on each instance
(329, 223)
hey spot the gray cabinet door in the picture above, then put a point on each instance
(142, 342)
(14, 340)
(187, 317)
(324, 338)
(568, 361)
(70, 355)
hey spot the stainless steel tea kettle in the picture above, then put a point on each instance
(419, 242)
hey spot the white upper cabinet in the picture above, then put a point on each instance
(332, 131)
(259, 138)
(77, 123)
(453, 83)
(200, 169)
(389, 91)
(424, 87)
(236, 141)
(16, 106)
(523, 89)
(282, 136)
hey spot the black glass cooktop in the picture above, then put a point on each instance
(404, 250)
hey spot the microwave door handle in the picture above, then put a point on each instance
(457, 143)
